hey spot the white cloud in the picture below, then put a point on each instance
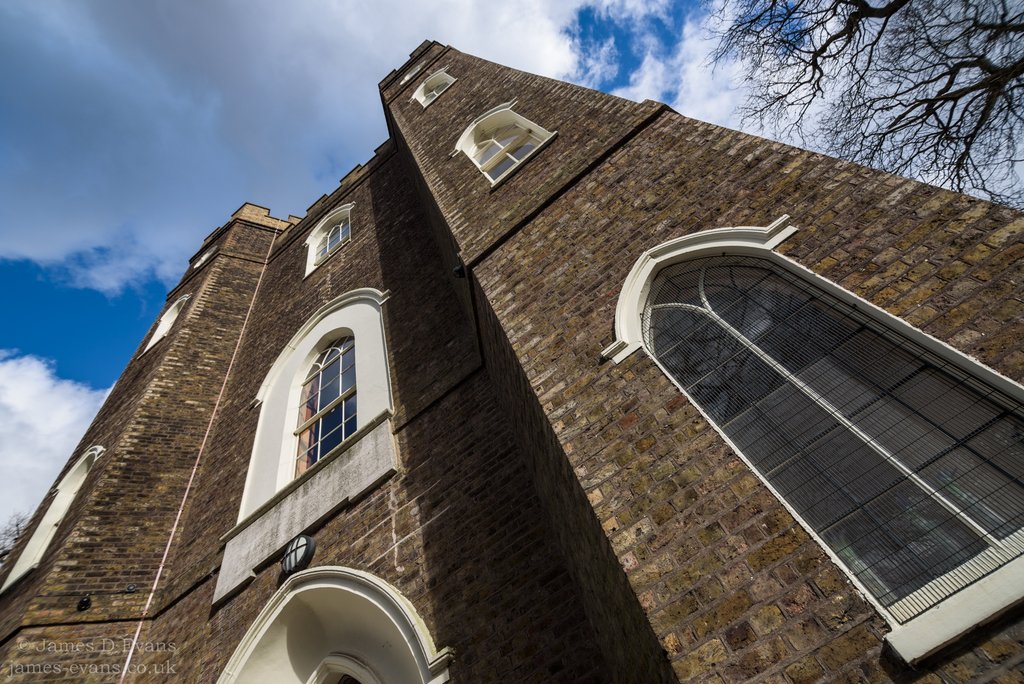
(599, 65)
(129, 130)
(683, 76)
(42, 417)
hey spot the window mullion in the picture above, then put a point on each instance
(325, 410)
(842, 419)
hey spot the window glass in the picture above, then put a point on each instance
(327, 410)
(906, 467)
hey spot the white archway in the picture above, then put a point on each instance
(357, 313)
(337, 621)
(742, 240)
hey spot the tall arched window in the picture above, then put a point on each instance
(500, 140)
(308, 399)
(906, 467)
(327, 412)
(41, 537)
(904, 458)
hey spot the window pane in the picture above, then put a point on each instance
(522, 150)
(333, 369)
(329, 392)
(485, 154)
(500, 168)
(905, 469)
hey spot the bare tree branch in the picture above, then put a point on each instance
(10, 532)
(928, 88)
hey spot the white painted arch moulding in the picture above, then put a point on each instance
(281, 646)
(321, 227)
(742, 240)
(358, 313)
(39, 542)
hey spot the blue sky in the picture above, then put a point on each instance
(129, 130)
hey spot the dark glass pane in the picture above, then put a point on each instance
(876, 360)
(690, 345)
(501, 167)
(522, 150)
(1002, 445)
(734, 385)
(900, 465)
(329, 392)
(939, 398)
(981, 490)
(348, 379)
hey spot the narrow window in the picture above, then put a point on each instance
(337, 234)
(327, 413)
(908, 468)
(166, 321)
(66, 491)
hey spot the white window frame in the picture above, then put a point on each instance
(477, 137)
(428, 91)
(333, 218)
(357, 313)
(412, 72)
(39, 542)
(203, 258)
(167, 321)
(959, 613)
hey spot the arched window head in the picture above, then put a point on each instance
(313, 452)
(500, 140)
(308, 399)
(329, 625)
(333, 231)
(327, 409)
(902, 457)
(434, 85)
(167, 321)
(41, 537)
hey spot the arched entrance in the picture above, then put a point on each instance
(329, 625)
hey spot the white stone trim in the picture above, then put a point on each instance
(40, 540)
(325, 224)
(377, 600)
(981, 602)
(954, 616)
(491, 120)
(356, 466)
(441, 75)
(357, 313)
(167, 321)
(742, 240)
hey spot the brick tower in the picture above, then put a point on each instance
(441, 427)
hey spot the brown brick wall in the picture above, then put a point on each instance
(475, 555)
(733, 587)
(588, 124)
